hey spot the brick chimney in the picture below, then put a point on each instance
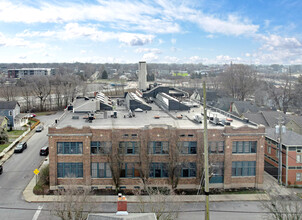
(121, 205)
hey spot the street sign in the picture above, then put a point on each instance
(36, 171)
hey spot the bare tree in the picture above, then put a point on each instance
(26, 92)
(70, 84)
(57, 89)
(159, 200)
(282, 94)
(116, 163)
(282, 207)
(239, 81)
(174, 166)
(72, 203)
(41, 89)
(144, 164)
(8, 92)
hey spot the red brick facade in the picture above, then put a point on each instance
(173, 135)
(290, 166)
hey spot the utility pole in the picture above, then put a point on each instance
(280, 152)
(206, 152)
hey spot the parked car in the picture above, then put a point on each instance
(1, 169)
(39, 128)
(20, 147)
(32, 115)
(44, 151)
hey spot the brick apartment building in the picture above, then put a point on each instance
(291, 156)
(126, 149)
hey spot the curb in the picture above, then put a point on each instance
(30, 197)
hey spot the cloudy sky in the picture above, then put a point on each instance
(163, 31)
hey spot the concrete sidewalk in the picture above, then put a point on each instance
(29, 196)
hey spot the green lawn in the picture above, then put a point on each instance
(15, 133)
(3, 146)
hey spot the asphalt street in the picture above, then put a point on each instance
(18, 171)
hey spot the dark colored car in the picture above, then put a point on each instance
(44, 151)
(20, 147)
(1, 169)
(39, 128)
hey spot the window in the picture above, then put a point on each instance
(100, 170)
(126, 135)
(130, 170)
(188, 170)
(269, 149)
(69, 147)
(159, 147)
(10, 113)
(217, 171)
(70, 170)
(299, 158)
(243, 147)
(244, 168)
(158, 170)
(298, 176)
(129, 147)
(216, 147)
(187, 147)
(100, 147)
(133, 135)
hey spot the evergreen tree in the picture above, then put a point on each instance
(104, 75)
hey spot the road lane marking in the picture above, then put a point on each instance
(37, 212)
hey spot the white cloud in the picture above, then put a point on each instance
(197, 59)
(231, 25)
(127, 15)
(147, 50)
(169, 59)
(277, 49)
(150, 57)
(135, 39)
(173, 41)
(75, 30)
(18, 42)
(161, 16)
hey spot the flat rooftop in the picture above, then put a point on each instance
(157, 116)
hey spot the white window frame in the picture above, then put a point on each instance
(298, 177)
(299, 158)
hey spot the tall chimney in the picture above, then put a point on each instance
(142, 75)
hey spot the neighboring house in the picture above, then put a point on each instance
(11, 110)
(3, 122)
(291, 156)
(271, 118)
(240, 107)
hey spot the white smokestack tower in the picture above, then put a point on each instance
(142, 75)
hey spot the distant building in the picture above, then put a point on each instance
(24, 72)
